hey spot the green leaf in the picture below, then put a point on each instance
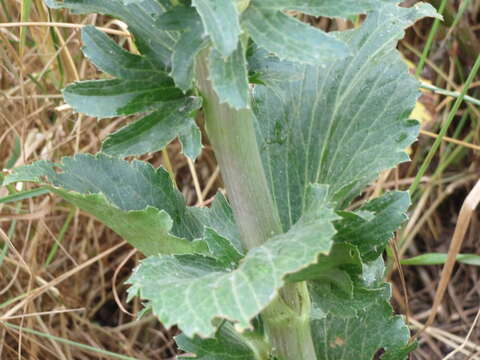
(291, 39)
(108, 98)
(440, 259)
(344, 257)
(229, 77)
(183, 58)
(192, 291)
(96, 185)
(371, 329)
(222, 249)
(187, 22)
(179, 18)
(399, 353)
(112, 59)
(148, 230)
(362, 234)
(155, 131)
(219, 216)
(140, 16)
(15, 155)
(327, 127)
(356, 327)
(135, 200)
(191, 141)
(226, 345)
(221, 23)
(330, 8)
(372, 226)
(140, 88)
(267, 68)
(164, 3)
(330, 300)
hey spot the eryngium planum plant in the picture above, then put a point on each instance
(300, 121)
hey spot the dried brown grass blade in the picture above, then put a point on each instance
(114, 282)
(465, 342)
(40, 290)
(451, 140)
(396, 258)
(464, 218)
(64, 25)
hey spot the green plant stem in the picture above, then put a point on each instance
(287, 323)
(232, 135)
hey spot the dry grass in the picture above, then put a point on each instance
(57, 265)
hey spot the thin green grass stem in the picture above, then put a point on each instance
(454, 94)
(70, 342)
(61, 235)
(431, 37)
(444, 128)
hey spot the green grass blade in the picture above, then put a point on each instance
(5, 10)
(10, 234)
(70, 342)
(440, 259)
(431, 37)
(15, 154)
(459, 15)
(24, 17)
(12, 300)
(56, 245)
(18, 196)
(445, 127)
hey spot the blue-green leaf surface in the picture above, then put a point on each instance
(140, 87)
(357, 326)
(192, 291)
(222, 249)
(114, 97)
(137, 201)
(341, 258)
(331, 8)
(185, 51)
(112, 59)
(341, 124)
(221, 23)
(226, 345)
(229, 77)
(331, 110)
(191, 141)
(291, 39)
(372, 226)
(186, 21)
(155, 131)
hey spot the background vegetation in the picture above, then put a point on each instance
(61, 272)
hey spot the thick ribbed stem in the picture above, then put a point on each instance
(232, 135)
